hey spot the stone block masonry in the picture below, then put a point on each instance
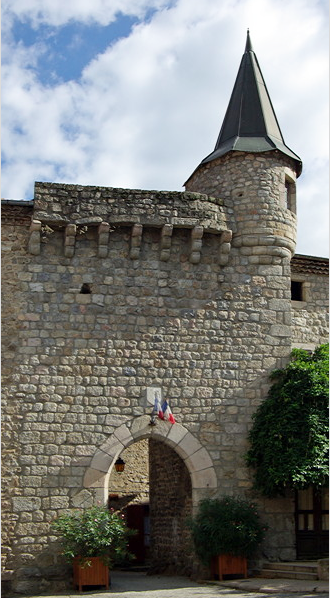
(111, 292)
(73, 204)
(310, 315)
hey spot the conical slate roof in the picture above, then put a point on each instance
(250, 123)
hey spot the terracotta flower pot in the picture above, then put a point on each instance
(95, 574)
(227, 564)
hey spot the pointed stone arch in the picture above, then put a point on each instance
(183, 442)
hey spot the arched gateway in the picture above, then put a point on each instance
(183, 442)
(181, 473)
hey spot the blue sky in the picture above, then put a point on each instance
(132, 93)
(65, 51)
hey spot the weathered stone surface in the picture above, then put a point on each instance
(323, 569)
(203, 312)
(25, 503)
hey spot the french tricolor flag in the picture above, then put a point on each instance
(167, 413)
(163, 410)
(158, 407)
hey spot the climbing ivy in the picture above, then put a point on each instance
(289, 435)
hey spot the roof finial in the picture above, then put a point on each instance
(248, 47)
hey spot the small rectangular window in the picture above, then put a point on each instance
(296, 290)
(290, 195)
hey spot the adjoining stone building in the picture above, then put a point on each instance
(111, 295)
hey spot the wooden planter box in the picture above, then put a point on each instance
(226, 564)
(97, 574)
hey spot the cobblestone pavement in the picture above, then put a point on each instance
(140, 585)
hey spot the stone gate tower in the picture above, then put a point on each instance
(254, 173)
(111, 295)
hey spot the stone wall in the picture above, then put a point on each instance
(14, 261)
(310, 316)
(83, 363)
(201, 311)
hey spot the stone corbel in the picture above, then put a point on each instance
(70, 240)
(35, 237)
(225, 246)
(136, 239)
(103, 239)
(196, 244)
(166, 242)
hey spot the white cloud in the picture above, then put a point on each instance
(57, 13)
(148, 110)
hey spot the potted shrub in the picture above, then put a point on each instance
(93, 539)
(226, 532)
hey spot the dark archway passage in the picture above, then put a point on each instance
(155, 493)
(170, 506)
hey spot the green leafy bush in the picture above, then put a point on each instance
(95, 531)
(226, 526)
(289, 436)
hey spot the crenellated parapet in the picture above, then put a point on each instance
(73, 207)
(62, 204)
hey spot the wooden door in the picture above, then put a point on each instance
(312, 523)
(138, 519)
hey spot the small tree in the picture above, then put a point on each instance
(95, 531)
(289, 436)
(228, 525)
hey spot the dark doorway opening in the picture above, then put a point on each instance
(138, 519)
(312, 523)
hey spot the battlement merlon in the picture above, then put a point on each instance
(60, 204)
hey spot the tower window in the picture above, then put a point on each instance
(290, 194)
(296, 290)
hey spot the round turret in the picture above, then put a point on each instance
(252, 169)
(258, 191)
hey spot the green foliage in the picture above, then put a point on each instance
(289, 436)
(95, 531)
(226, 526)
